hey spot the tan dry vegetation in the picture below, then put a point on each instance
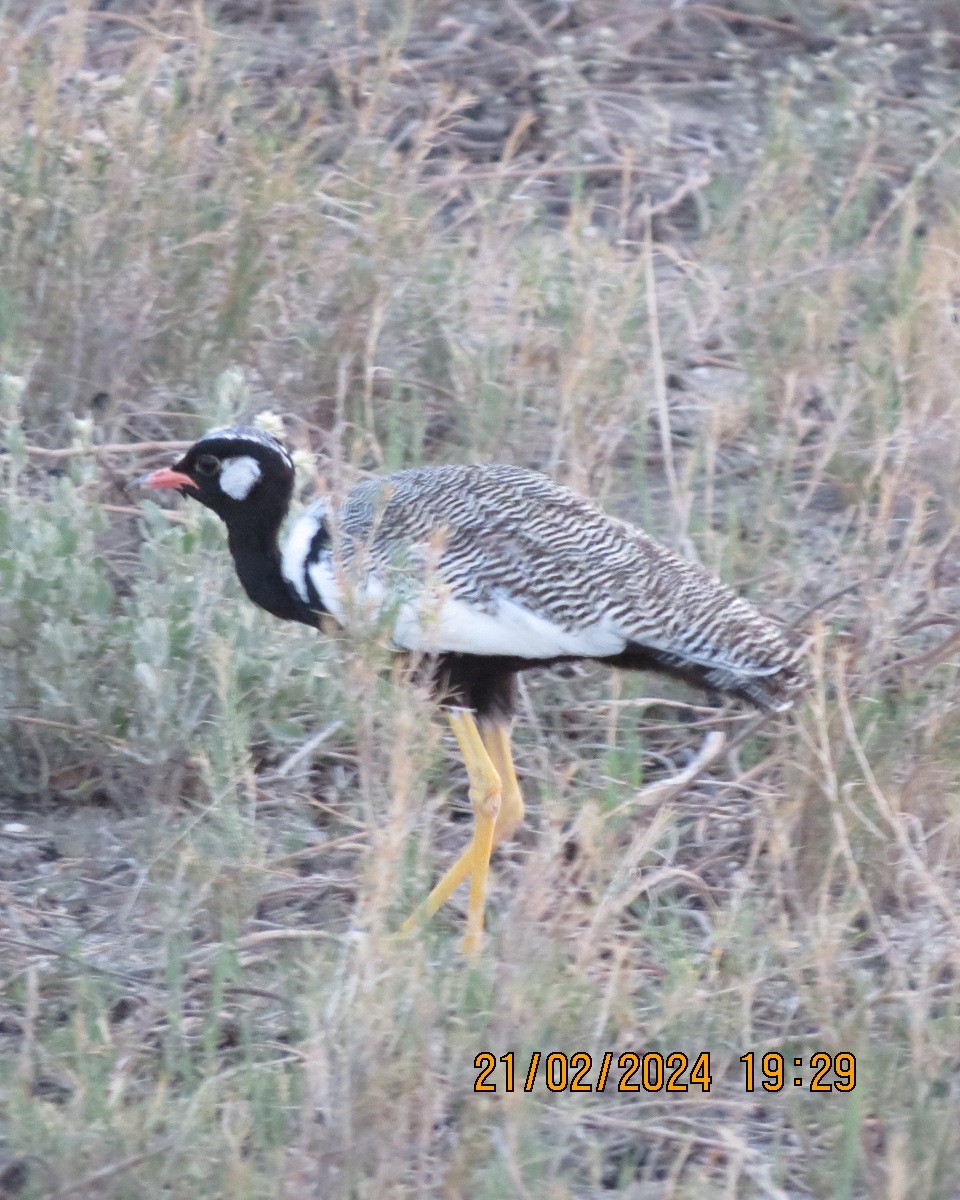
(698, 260)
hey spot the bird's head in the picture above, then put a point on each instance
(242, 474)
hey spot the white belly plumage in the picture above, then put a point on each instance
(434, 622)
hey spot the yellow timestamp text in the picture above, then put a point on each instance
(821, 1072)
(651, 1071)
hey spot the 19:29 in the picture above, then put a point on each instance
(773, 1072)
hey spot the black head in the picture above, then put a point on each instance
(242, 474)
(247, 478)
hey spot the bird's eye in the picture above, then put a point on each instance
(207, 464)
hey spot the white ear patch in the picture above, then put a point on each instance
(238, 475)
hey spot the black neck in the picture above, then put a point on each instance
(256, 557)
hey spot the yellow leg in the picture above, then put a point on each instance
(488, 758)
(496, 738)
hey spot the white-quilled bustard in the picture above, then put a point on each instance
(481, 572)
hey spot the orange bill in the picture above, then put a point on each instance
(166, 477)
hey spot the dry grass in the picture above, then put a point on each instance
(702, 262)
